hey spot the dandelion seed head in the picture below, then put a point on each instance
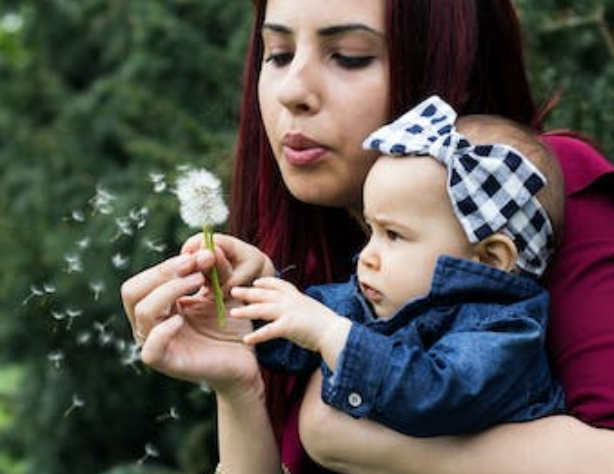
(200, 197)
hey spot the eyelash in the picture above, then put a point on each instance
(392, 236)
(346, 62)
(279, 59)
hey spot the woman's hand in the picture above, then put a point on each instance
(555, 444)
(238, 262)
(173, 318)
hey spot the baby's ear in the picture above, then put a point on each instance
(497, 250)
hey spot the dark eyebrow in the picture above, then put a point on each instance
(340, 29)
(327, 31)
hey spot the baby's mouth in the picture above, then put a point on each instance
(370, 293)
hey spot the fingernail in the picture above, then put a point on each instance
(184, 259)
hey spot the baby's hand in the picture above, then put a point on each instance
(291, 314)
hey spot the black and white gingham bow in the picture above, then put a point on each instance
(492, 187)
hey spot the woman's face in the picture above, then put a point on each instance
(323, 88)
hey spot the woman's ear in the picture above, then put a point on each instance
(497, 250)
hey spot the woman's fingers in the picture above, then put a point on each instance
(150, 295)
(136, 288)
(159, 304)
(155, 347)
(193, 244)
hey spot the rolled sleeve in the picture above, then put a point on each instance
(355, 383)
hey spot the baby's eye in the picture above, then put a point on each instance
(392, 235)
(352, 62)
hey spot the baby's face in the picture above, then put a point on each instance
(412, 223)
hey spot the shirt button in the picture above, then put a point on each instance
(355, 400)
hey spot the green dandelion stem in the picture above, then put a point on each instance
(215, 278)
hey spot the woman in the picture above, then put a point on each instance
(319, 79)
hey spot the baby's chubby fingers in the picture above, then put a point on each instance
(265, 333)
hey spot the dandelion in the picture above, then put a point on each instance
(202, 206)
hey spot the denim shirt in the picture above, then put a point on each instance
(468, 355)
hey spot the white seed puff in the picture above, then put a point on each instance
(200, 199)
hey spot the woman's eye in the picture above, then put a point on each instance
(353, 62)
(279, 59)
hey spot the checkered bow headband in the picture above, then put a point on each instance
(492, 187)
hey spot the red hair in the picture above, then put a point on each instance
(467, 51)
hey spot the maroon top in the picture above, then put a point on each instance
(581, 282)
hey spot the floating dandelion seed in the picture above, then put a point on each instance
(139, 217)
(84, 338)
(77, 402)
(35, 292)
(83, 243)
(155, 245)
(56, 358)
(101, 202)
(97, 287)
(74, 264)
(68, 315)
(171, 414)
(119, 261)
(131, 356)
(202, 206)
(76, 216)
(150, 452)
(58, 315)
(105, 337)
(124, 227)
(159, 182)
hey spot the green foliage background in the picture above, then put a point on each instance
(100, 102)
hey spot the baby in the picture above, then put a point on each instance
(441, 331)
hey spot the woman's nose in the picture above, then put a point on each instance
(299, 89)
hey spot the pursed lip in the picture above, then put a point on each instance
(300, 150)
